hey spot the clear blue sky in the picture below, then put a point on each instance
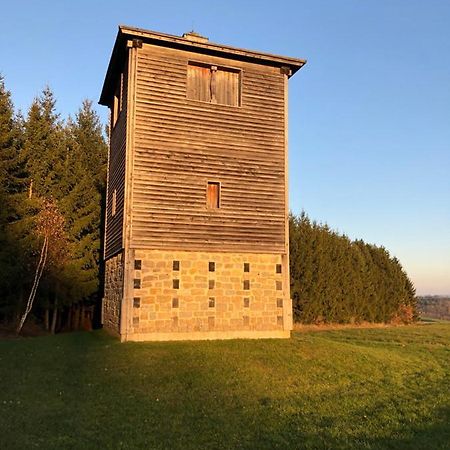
(369, 114)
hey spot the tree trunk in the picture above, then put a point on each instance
(69, 318)
(37, 277)
(47, 319)
(55, 316)
(60, 320)
(74, 317)
(79, 317)
(82, 317)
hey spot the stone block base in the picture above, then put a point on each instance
(112, 301)
(206, 295)
(207, 335)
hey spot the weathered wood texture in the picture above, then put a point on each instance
(181, 143)
(116, 178)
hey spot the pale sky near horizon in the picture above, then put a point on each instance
(369, 123)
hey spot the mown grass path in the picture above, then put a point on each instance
(364, 388)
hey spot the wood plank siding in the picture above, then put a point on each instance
(116, 174)
(181, 144)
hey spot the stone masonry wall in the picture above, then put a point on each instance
(113, 293)
(194, 291)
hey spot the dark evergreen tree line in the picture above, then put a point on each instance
(52, 183)
(50, 166)
(336, 280)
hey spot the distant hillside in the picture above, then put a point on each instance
(435, 306)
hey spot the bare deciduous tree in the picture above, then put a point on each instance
(49, 228)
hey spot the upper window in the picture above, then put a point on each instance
(213, 195)
(114, 203)
(118, 101)
(213, 84)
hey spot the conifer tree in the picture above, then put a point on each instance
(86, 179)
(43, 150)
(42, 156)
(336, 280)
(11, 187)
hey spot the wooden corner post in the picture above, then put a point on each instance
(128, 275)
(287, 304)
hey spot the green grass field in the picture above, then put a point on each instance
(361, 388)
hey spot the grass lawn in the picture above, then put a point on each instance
(353, 388)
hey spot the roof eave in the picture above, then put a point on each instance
(105, 94)
(126, 32)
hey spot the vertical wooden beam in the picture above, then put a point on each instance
(126, 311)
(287, 302)
(102, 313)
(107, 186)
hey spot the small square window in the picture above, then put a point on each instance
(137, 302)
(176, 284)
(137, 283)
(137, 264)
(278, 268)
(211, 284)
(212, 266)
(246, 267)
(246, 285)
(212, 302)
(279, 302)
(175, 303)
(213, 195)
(176, 266)
(246, 302)
(279, 285)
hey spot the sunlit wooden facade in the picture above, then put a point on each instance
(196, 238)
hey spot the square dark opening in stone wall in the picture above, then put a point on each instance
(137, 264)
(279, 285)
(211, 302)
(246, 302)
(212, 266)
(176, 266)
(176, 284)
(175, 303)
(279, 302)
(278, 268)
(211, 284)
(246, 285)
(136, 302)
(246, 267)
(137, 283)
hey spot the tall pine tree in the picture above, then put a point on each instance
(86, 177)
(334, 279)
(12, 255)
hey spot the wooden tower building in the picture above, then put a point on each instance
(196, 238)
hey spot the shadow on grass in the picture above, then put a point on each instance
(86, 390)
